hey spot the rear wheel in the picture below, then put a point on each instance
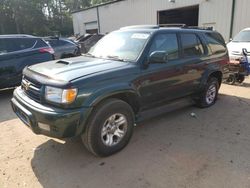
(110, 128)
(241, 78)
(231, 79)
(209, 94)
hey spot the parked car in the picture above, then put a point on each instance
(239, 42)
(64, 48)
(129, 75)
(17, 52)
(87, 41)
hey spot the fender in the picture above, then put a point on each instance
(211, 68)
(96, 97)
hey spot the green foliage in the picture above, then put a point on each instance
(40, 17)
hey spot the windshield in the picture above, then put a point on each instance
(121, 45)
(243, 36)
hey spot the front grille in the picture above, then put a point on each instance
(32, 88)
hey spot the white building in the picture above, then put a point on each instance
(226, 16)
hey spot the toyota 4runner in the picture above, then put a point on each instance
(126, 76)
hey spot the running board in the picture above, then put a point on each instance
(169, 107)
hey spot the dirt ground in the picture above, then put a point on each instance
(172, 150)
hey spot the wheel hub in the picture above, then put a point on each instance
(114, 129)
(211, 94)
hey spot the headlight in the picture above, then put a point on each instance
(58, 95)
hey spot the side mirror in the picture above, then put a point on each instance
(158, 57)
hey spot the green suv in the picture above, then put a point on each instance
(128, 75)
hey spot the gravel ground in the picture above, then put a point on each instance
(172, 150)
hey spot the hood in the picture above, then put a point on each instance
(66, 70)
(235, 48)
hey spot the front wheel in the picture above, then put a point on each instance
(209, 94)
(110, 128)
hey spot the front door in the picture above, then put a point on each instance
(160, 82)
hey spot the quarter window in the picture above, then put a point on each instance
(191, 45)
(216, 43)
(167, 43)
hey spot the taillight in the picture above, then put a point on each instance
(45, 50)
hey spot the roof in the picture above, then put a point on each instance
(167, 27)
(17, 36)
(95, 6)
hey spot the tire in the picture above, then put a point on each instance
(240, 79)
(101, 134)
(209, 94)
(231, 80)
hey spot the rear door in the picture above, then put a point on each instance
(193, 53)
(17, 53)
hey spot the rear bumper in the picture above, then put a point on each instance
(61, 123)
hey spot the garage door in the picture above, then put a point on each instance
(186, 15)
(91, 27)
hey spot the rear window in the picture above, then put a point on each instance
(16, 44)
(216, 43)
(57, 43)
(191, 45)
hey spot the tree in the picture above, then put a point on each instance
(40, 17)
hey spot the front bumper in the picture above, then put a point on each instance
(62, 123)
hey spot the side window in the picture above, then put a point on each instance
(23, 44)
(65, 43)
(167, 43)
(54, 43)
(41, 43)
(17, 44)
(216, 43)
(191, 45)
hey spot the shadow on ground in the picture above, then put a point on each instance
(6, 112)
(171, 150)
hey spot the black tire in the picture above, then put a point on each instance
(203, 102)
(92, 136)
(231, 79)
(240, 79)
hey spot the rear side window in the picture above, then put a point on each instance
(41, 43)
(216, 43)
(16, 44)
(167, 43)
(191, 45)
(53, 43)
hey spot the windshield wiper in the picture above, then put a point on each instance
(89, 55)
(117, 58)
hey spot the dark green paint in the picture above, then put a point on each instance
(148, 85)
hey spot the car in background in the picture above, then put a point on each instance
(87, 41)
(17, 52)
(64, 48)
(240, 41)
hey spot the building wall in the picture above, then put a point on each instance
(80, 18)
(215, 13)
(242, 15)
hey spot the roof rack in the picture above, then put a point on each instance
(173, 25)
(140, 27)
(185, 26)
(180, 25)
(201, 28)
